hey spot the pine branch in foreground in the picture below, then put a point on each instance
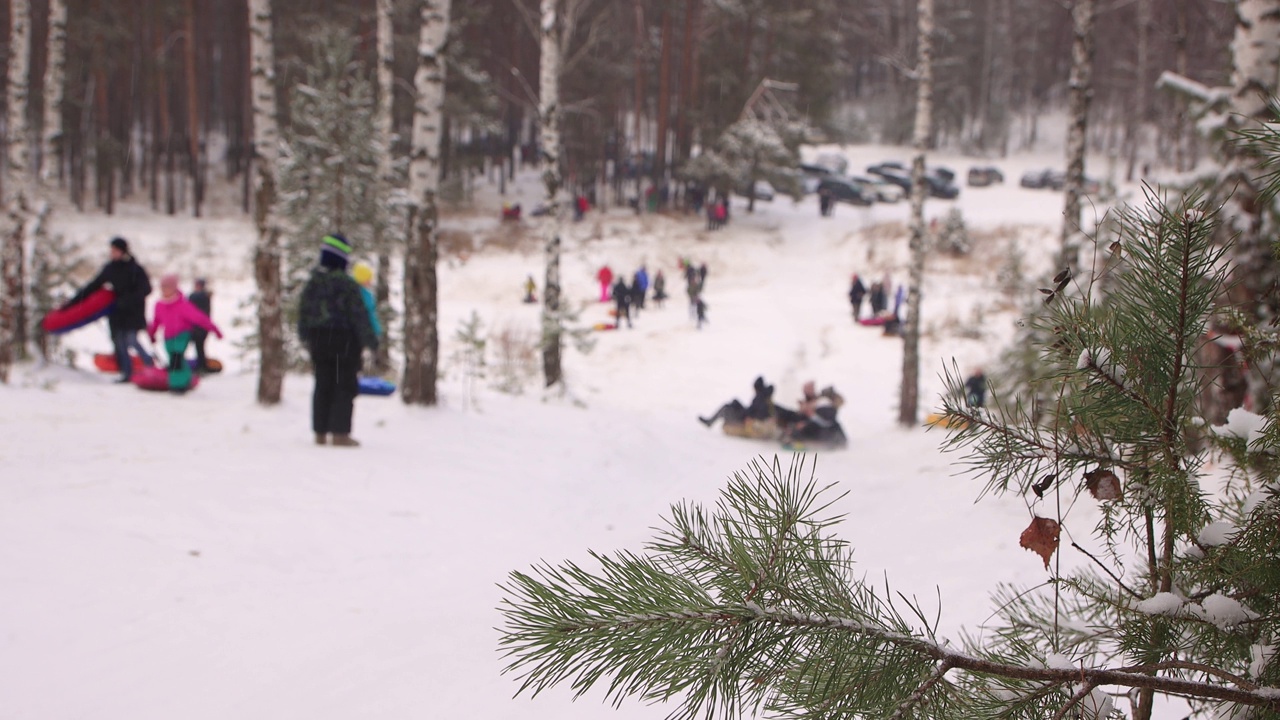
(752, 607)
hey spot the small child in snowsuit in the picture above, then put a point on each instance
(700, 307)
(178, 317)
(362, 273)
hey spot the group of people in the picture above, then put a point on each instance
(183, 320)
(629, 298)
(878, 296)
(812, 422)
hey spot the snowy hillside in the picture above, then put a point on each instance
(197, 557)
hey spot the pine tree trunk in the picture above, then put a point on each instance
(267, 253)
(549, 126)
(684, 136)
(12, 255)
(193, 110)
(54, 93)
(909, 399)
(1080, 89)
(421, 332)
(664, 99)
(384, 119)
(1138, 114)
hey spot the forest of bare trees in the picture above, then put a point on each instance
(157, 101)
(156, 93)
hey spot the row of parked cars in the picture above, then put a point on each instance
(885, 182)
(1055, 180)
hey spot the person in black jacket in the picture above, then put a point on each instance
(129, 281)
(622, 301)
(857, 291)
(334, 326)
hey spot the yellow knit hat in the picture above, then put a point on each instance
(362, 272)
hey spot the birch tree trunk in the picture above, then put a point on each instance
(267, 253)
(50, 160)
(1256, 57)
(909, 399)
(1080, 92)
(384, 120)
(549, 126)
(421, 334)
(12, 255)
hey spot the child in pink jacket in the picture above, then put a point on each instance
(178, 317)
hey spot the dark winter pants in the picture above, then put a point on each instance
(123, 341)
(335, 359)
(197, 339)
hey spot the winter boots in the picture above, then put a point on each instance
(345, 441)
(322, 439)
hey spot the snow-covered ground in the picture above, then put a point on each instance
(198, 557)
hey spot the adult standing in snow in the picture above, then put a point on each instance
(639, 287)
(202, 298)
(622, 301)
(877, 298)
(334, 325)
(659, 288)
(129, 282)
(856, 292)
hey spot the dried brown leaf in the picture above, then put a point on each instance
(1041, 538)
(1103, 484)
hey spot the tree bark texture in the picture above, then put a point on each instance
(12, 255)
(909, 399)
(421, 331)
(549, 127)
(54, 93)
(267, 253)
(1080, 92)
(385, 125)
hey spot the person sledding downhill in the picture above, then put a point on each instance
(179, 318)
(812, 426)
(815, 424)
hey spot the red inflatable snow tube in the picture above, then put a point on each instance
(62, 320)
(155, 378)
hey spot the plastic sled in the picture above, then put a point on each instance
(97, 305)
(106, 362)
(875, 320)
(211, 365)
(155, 378)
(604, 326)
(376, 386)
(754, 429)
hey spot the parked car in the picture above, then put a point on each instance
(887, 165)
(945, 173)
(984, 175)
(845, 191)
(896, 175)
(810, 176)
(1036, 179)
(941, 187)
(879, 189)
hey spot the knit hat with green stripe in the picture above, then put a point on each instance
(335, 251)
